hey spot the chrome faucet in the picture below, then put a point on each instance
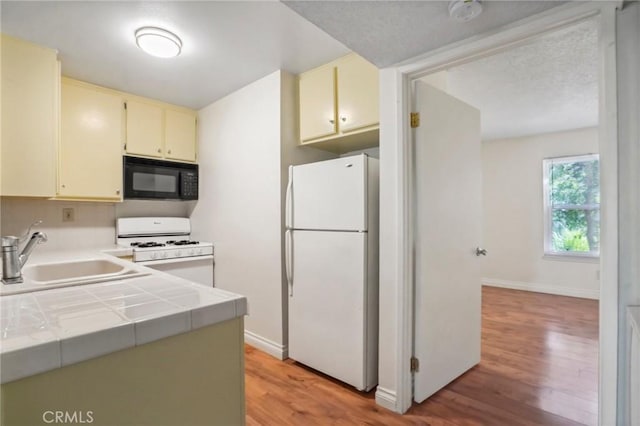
(12, 262)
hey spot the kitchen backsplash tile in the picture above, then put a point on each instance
(93, 224)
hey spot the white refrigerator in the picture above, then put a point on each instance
(331, 246)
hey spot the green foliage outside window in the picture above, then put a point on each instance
(575, 203)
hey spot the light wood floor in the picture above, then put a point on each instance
(539, 367)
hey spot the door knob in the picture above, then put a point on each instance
(480, 251)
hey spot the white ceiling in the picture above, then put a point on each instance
(548, 84)
(227, 45)
(389, 32)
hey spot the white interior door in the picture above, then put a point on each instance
(327, 303)
(447, 231)
(331, 195)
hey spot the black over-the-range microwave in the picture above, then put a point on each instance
(147, 179)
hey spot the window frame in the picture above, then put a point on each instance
(548, 209)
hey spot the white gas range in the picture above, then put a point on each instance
(164, 243)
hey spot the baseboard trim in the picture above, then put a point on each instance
(272, 348)
(542, 288)
(386, 398)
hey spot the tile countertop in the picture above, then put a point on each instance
(44, 330)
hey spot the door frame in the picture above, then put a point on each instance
(396, 284)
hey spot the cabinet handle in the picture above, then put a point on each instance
(64, 186)
(159, 150)
(169, 152)
(331, 120)
(117, 192)
(343, 118)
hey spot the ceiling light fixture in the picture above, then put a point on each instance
(464, 10)
(158, 42)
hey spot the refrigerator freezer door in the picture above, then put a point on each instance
(330, 195)
(327, 306)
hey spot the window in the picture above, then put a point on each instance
(572, 205)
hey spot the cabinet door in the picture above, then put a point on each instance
(357, 94)
(91, 143)
(317, 104)
(144, 129)
(30, 81)
(180, 135)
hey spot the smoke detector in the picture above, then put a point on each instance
(464, 10)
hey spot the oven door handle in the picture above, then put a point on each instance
(288, 259)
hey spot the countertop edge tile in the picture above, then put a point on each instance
(213, 314)
(31, 360)
(241, 307)
(92, 345)
(157, 328)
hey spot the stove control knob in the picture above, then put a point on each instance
(154, 255)
(165, 254)
(192, 252)
(178, 254)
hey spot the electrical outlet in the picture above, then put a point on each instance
(68, 215)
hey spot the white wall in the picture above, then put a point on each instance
(629, 184)
(247, 140)
(513, 215)
(239, 204)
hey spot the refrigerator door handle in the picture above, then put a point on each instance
(288, 209)
(288, 255)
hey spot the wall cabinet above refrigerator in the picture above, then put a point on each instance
(339, 105)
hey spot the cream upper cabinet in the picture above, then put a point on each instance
(92, 135)
(30, 78)
(145, 124)
(160, 130)
(358, 98)
(318, 103)
(180, 135)
(339, 105)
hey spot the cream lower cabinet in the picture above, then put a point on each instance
(339, 105)
(30, 79)
(189, 379)
(157, 130)
(92, 135)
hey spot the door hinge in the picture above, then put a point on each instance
(415, 120)
(125, 105)
(415, 364)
